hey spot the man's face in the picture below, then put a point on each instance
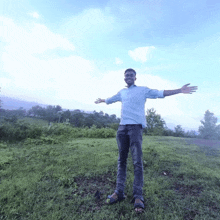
(130, 77)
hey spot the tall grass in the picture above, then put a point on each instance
(59, 181)
(33, 132)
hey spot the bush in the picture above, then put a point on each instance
(20, 130)
(69, 131)
(94, 132)
(3, 145)
(58, 129)
(35, 131)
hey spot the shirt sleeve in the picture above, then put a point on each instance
(153, 93)
(113, 99)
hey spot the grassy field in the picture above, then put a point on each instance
(181, 180)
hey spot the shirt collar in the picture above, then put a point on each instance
(131, 86)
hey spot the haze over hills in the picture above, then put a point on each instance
(14, 104)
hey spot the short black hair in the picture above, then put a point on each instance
(130, 70)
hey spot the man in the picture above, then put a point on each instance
(130, 130)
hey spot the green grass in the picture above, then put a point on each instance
(181, 180)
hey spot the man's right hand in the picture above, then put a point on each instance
(99, 101)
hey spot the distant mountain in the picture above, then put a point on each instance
(14, 104)
(172, 127)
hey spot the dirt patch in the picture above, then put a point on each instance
(191, 214)
(185, 190)
(91, 184)
(97, 187)
(204, 142)
(209, 147)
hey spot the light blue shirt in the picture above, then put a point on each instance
(133, 103)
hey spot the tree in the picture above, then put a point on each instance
(77, 119)
(191, 134)
(178, 131)
(155, 124)
(106, 115)
(58, 108)
(50, 113)
(114, 126)
(209, 129)
(113, 117)
(66, 116)
(21, 112)
(60, 114)
(218, 131)
(36, 111)
(168, 131)
(101, 113)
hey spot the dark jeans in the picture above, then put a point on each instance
(130, 136)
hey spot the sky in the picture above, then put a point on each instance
(69, 53)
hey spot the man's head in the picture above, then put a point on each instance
(130, 76)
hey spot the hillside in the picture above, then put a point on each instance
(13, 103)
(60, 180)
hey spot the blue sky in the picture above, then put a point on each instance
(72, 52)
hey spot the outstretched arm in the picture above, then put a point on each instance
(113, 99)
(99, 101)
(185, 89)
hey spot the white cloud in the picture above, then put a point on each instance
(52, 80)
(33, 38)
(90, 22)
(34, 14)
(31, 75)
(118, 61)
(141, 54)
